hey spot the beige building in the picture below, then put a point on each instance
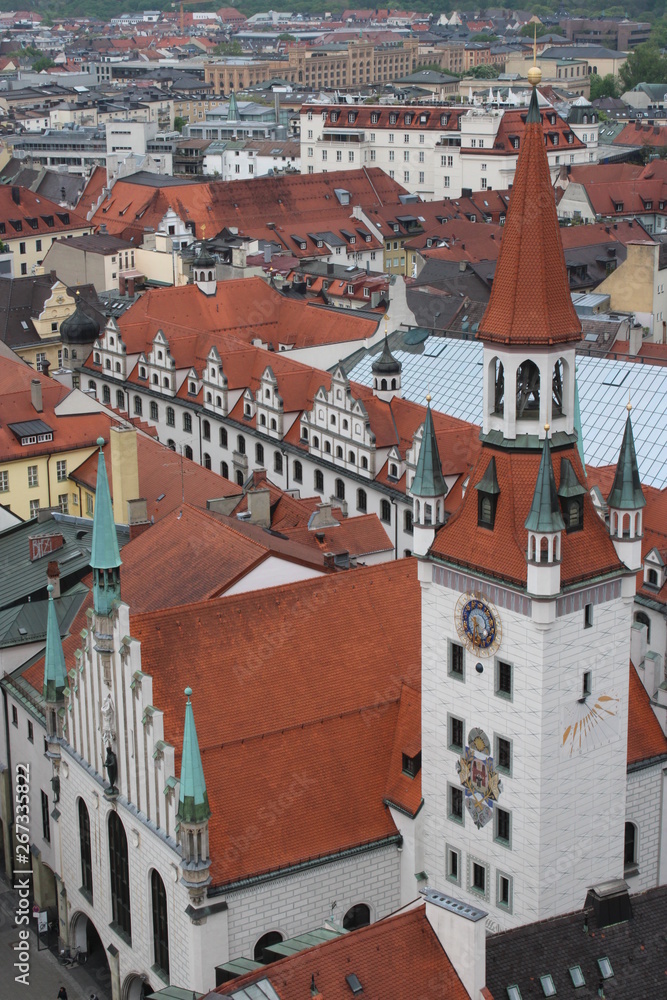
(96, 259)
(30, 224)
(320, 68)
(638, 286)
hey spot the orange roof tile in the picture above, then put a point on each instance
(359, 536)
(645, 737)
(530, 299)
(399, 957)
(35, 215)
(501, 552)
(402, 790)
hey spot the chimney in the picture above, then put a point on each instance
(124, 470)
(329, 560)
(43, 545)
(460, 929)
(137, 517)
(122, 283)
(130, 286)
(36, 394)
(259, 507)
(322, 517)
(53, 577)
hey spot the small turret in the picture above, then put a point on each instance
(55, 675)
(203, 270)
(386, 374)
(428, 489)
(193, 811)
(625, 503)
(544, 525)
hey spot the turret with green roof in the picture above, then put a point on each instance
(429, 480)
(544, 515)
(626, 491)
(55, 673)
(193, 804)
(105, 558)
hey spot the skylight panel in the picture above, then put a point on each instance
(547, 984)
(577, 976)
(513, 993)
(606, 971)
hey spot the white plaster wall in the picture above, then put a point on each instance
(568, 812)
(644, 808)
(272, 573)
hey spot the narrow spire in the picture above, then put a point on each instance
(577, 422)
(626, 491)
(544, 514)
(530, 302)
(104, 552)
(429, 480)
(233, 110)
(193, 804)
(55, 673)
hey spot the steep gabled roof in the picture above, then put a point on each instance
(530, 299)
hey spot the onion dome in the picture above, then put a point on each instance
(79, 328)
(386, 363)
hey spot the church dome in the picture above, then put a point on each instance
(79, 328)
(386, 363)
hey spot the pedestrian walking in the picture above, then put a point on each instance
(62, 994)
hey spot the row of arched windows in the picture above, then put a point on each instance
(120, 884)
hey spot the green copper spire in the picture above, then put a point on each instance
(429, 480)
(55, 674)
(577, 421)
(104, 556)
(626, 492)
(534, 116)
(545, 512)
(233, 109)
(192, 801)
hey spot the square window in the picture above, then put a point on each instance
(455, 803)
(453, 859)
(456, 733)
(456, 660)
(502, 827)
(503, 755)
(504, 679)
(478, 877)
(504, 891)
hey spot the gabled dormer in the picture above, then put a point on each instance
(488, 492)
(269, 405)
(214, 382)
(110, 353)
(571, 496)
(655, 569)
(249, 404)
(338, 427)
(193, 383)
(395, 465)
(161, 366)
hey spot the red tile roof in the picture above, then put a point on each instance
(399, 957)
(263, 207)
(628, 185)
(305, 749)
(530, 299)
(249, 309)
(359, 536)
(639, 134)
(35, 215)
(166, 479)
(501, 552)
(645, 737)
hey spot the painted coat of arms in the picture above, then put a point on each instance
(480, 780)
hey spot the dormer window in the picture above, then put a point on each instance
(247, 409)
(375, 117)
(350, 117)
(444, 119)
(487, 497)
(334, 116)
(408, 119)
(393, 470)
(618, 207)
(393, 118)
(142, 371)
(570, 137)
(192, 388)
(571, 496)
(411, 766)
(350, 289)
(652, 578)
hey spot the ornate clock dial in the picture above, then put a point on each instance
(478, 624)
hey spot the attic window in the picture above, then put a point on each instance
(408, 119)
(618, 207)
(412, 765)
(513, 993)
(547, 984)
(375, 117)
(444, 119)
(393, 118)
(334, 116)
(606, 971)
(350, 117)
(577, 976)
(354, 984)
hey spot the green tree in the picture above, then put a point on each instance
(179, 123)
(603, 86)
(228, 49)
(43, 62)
(286, 37)
(644, 65)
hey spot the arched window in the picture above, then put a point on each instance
(274, 425)
(97, 357)
(327, 447)
(278, 463)
(92, 385)
(154, 379)
(206, 430)
(643, 619)
(171, 444)
(117, 365)
(223, 437)
(207, 460)
(155, 413)
(383, 384)
(224, 470)
(393, 383)
(240, 444)
(499, 387)
(262, 420)
(407, 522)
(187, 451)
(319, 481)
(316, 442)
(120, 399)
(165, 382)
(120, 876)
(557, 389)
(385, 511)
(340, 489)
(544, 550)
(528, 391)
(84, 845)
(239, 478)
(630, 846)
(187, 422)
(339, 451)
(160, 926)
(171, 417)
(357, 916)
(218, 400)
(364, 462)
(298, 472)
(485, 510)
(574, 514)
(652, 577)
(107, 363)
(428, 513)
(138, 407)
(266, 940)
(259, 454)
(362, 501)
(351, 457)
(106, 394)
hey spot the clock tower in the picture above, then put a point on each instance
(526, 611)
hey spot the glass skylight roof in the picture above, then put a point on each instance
(451, 370)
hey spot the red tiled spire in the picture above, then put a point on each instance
(530, 299)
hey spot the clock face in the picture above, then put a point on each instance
(478, 624)
(591, 723)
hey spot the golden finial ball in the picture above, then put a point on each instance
(546, 427)
(428, 397)
(534, 76)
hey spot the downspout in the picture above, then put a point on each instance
(48, 479)
(9, 757)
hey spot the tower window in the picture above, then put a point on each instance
(456, 661)
(411, 765)
(504, 679)
(586, 684)
(503, 826)
(453, 865)
(588, 616)
(455, 797)
(528, 391)
(456, 730)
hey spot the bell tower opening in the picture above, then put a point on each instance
(528, 391)
(499, 388)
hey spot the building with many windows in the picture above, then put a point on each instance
(435, 152)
